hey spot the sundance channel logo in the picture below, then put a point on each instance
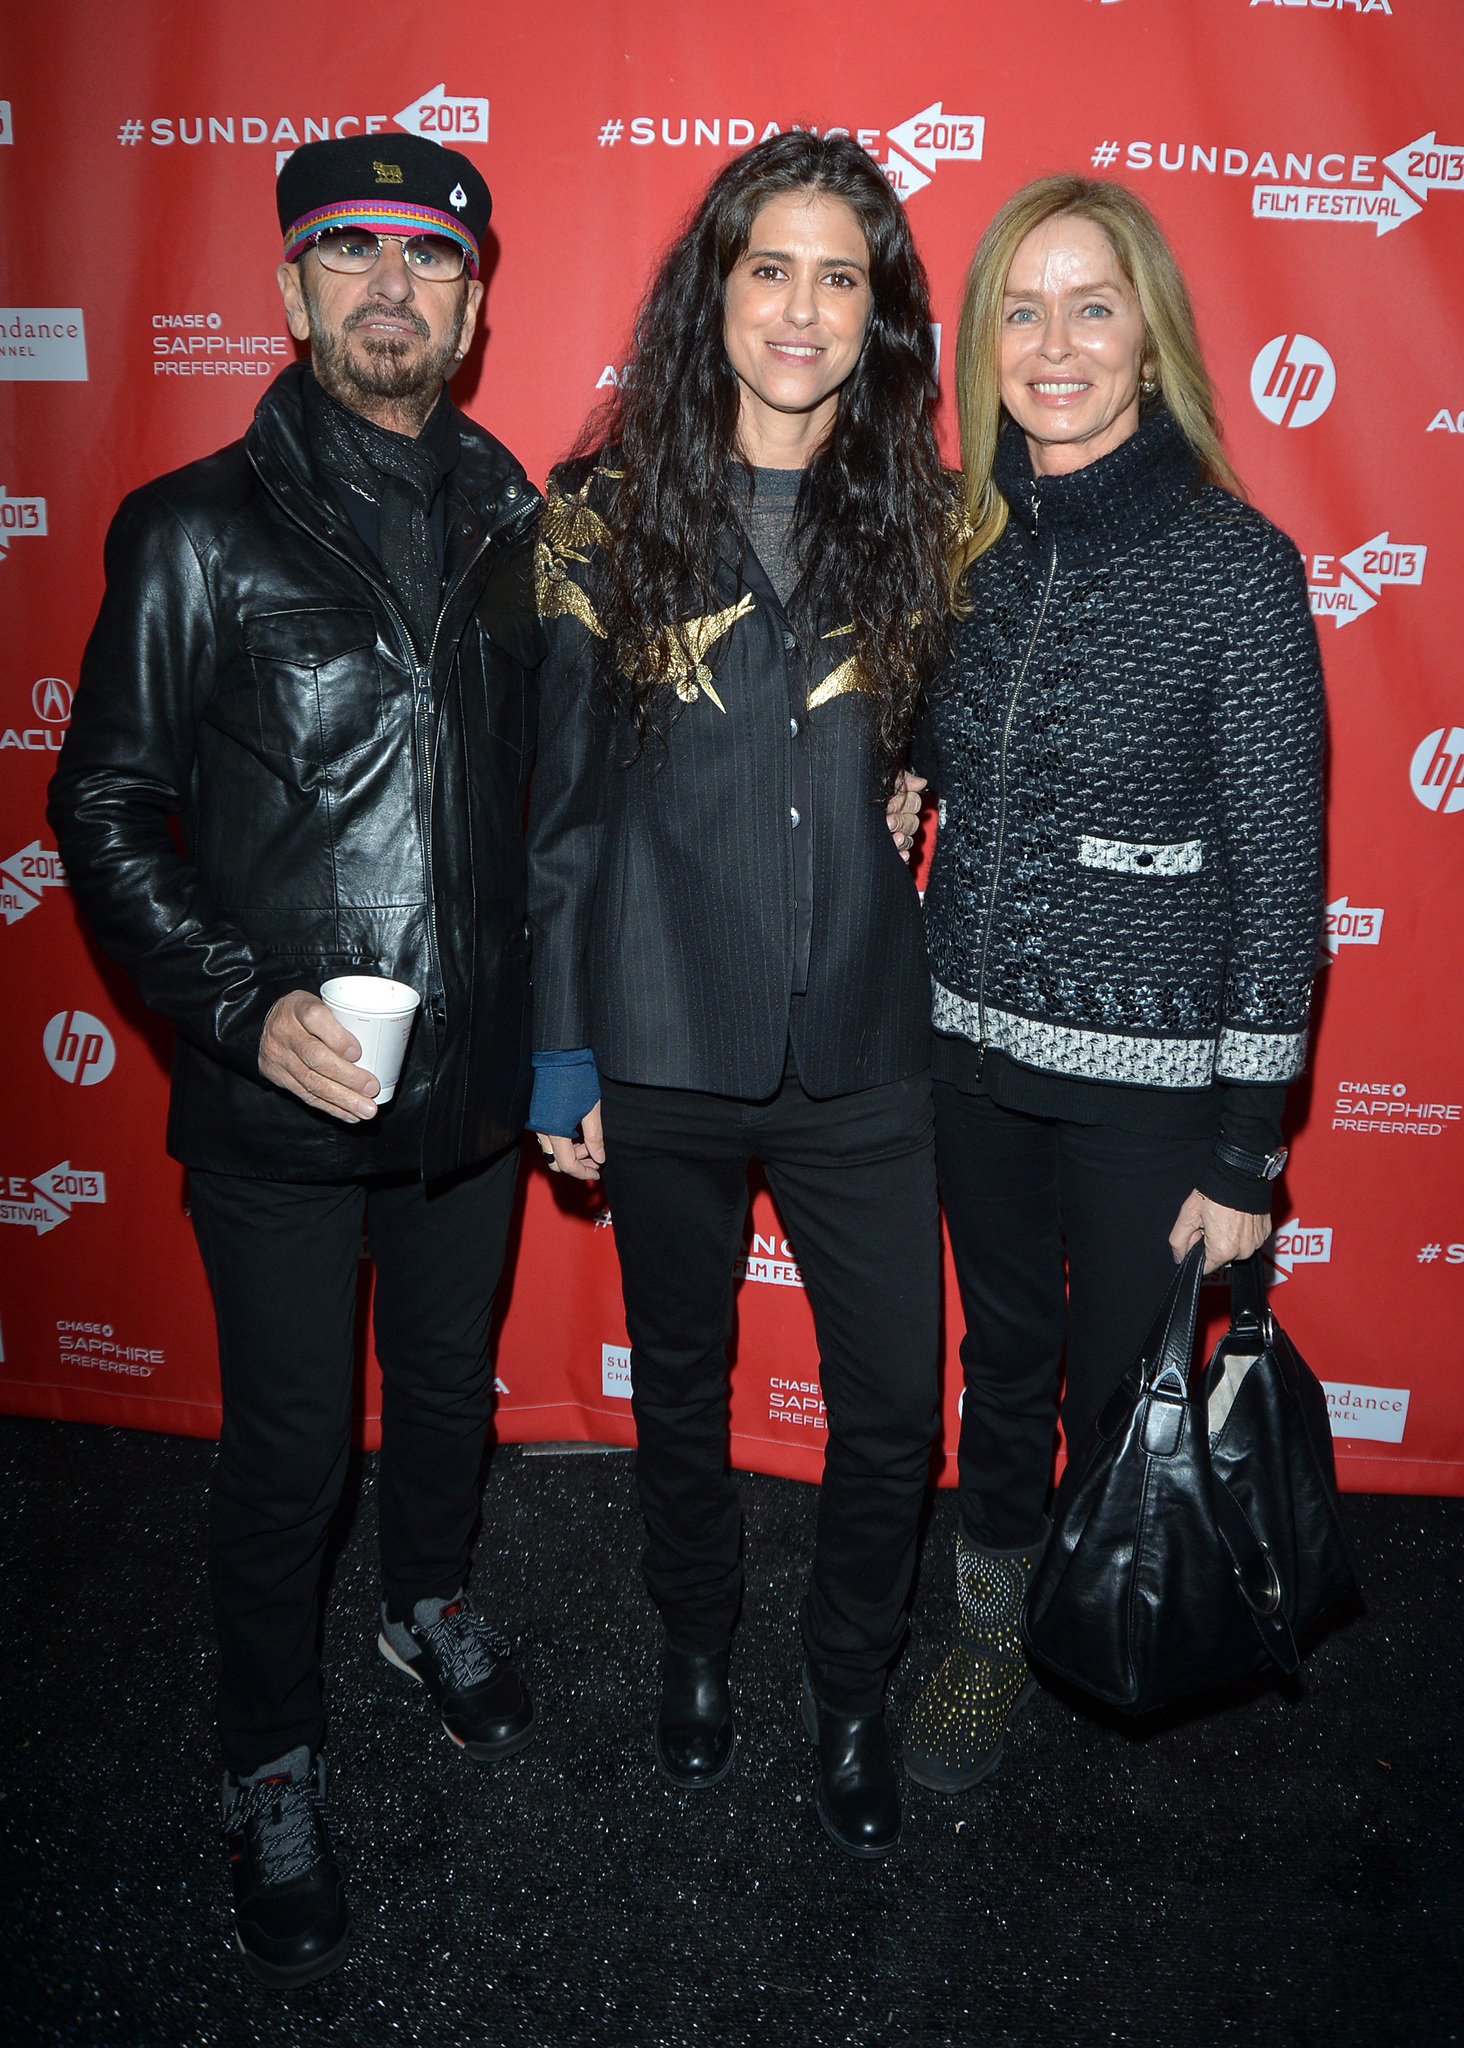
(1378, 1414)
(615, 1371)
(42, 345)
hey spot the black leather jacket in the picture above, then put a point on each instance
(345, 805)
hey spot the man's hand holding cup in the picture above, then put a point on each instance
(306, 1050)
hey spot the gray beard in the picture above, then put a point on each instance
(394, 371)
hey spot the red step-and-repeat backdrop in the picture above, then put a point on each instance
(1307, 159)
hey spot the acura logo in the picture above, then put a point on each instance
(52, 700)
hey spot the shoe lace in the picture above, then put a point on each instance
(285, 1818)
(467, 1648)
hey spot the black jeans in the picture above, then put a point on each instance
(854, 1179)
(1017, 1190)
(282, 1258)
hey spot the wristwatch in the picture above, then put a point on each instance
(1259, 1165)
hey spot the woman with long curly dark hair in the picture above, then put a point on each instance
(743, 574)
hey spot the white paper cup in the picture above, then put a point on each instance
(378, 1013)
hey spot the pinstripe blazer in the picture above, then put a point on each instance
(694, 908)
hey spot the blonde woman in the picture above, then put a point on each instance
(1124, 904)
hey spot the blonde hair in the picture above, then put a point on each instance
(1171, 357)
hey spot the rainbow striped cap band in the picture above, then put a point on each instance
(384, 217)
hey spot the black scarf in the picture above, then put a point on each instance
(401, 477)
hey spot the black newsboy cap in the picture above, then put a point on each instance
(396, 184)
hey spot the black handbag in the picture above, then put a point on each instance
(1195, 1533)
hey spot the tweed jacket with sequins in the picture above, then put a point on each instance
(1126, 746)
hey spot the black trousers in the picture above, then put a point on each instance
(854, 1179)
(1019, 1192)
(282, 1258)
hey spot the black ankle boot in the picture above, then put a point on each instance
(695, 1733)
(858, 1786)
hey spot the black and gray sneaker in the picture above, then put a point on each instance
(290, 1914)
(463, 1662)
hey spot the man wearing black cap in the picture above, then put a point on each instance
(316, 651)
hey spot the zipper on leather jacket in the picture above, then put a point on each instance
(1006, 733)
(422, 711)
(506, 529)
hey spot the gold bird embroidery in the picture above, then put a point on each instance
(568, 529)
(558, 595)
(690, 679)
(571, 527)
(847, 676)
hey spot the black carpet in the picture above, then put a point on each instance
(1289, 1870)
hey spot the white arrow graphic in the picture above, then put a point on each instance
(36, 1214)
(15, 902)
(1348, 924)
(24, 876)
(65, 1184)
(1297, 1245)
(33, 869)
(1427, 166)
(934, 137)
(438, 118)
(1402, 206)
(20, 519)
(1341, 602)
(1379, 561)
(1418, 169)
(906, 178)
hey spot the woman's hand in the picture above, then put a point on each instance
(1228, 1233)
(580, 1157)
(902, 812)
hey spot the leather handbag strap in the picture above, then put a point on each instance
(1248, 1309)
(1259, 1582)
(1171, 1347)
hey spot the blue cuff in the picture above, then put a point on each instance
(566, 1089)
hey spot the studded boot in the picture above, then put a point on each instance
(956, 1730)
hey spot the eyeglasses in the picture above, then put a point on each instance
(357, 250)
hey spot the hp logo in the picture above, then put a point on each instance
(1436, 771)
(1292, 380)
(79, 1047)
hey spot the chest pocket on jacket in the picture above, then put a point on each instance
(1141, 857)
(317, 682)
(502, 681)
